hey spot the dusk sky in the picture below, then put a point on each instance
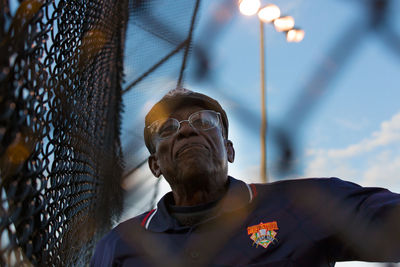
(351, 131)
(335, 95)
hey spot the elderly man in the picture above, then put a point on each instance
(212, 219)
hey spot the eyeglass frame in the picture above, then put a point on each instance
(188, 120)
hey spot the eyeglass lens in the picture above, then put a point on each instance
(201, 120)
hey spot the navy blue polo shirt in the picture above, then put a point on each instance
(305, 222)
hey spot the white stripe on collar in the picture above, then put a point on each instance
(149, 219)
(250, 193)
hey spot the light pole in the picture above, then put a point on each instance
(268, 14)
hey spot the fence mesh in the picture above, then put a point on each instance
(62, 88)
(60, 165)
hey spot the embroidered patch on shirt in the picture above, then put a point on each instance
(263, 234)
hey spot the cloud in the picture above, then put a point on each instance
(348, 124)
(388, 133)
(383, 172)
(374, 161)
(249, 174)
(324, 166)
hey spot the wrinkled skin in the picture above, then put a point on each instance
(194, 162)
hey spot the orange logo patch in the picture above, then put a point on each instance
(263, 234)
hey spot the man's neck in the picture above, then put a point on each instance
(184, 196)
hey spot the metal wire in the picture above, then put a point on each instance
(60, 74)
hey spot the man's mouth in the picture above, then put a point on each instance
(189, 147)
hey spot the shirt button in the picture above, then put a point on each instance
(194, 255)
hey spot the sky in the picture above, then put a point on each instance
(352, 131)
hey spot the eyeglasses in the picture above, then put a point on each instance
(201, 120)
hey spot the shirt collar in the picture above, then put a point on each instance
(238, 195)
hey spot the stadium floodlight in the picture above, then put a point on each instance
(249, 7)
(295, 35)
(283, 24)
(269, 13)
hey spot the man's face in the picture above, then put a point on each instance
(192, 155)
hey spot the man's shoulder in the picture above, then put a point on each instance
(323, 190)
(119, 241)
(118, 232)
(302, 187)
(135, 222)
(321, 181)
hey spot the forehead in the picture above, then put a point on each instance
(183, 112)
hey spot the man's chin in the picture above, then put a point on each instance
(193, 167)
(193, 158)
(192, 152)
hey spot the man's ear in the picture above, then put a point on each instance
(230, 151)
(153, 165)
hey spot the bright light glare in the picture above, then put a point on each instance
(284, 24)
(295, 35)
(269, 13)
(249, 7)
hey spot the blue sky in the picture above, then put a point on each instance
(354, 130)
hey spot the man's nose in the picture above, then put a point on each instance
(186, 129)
